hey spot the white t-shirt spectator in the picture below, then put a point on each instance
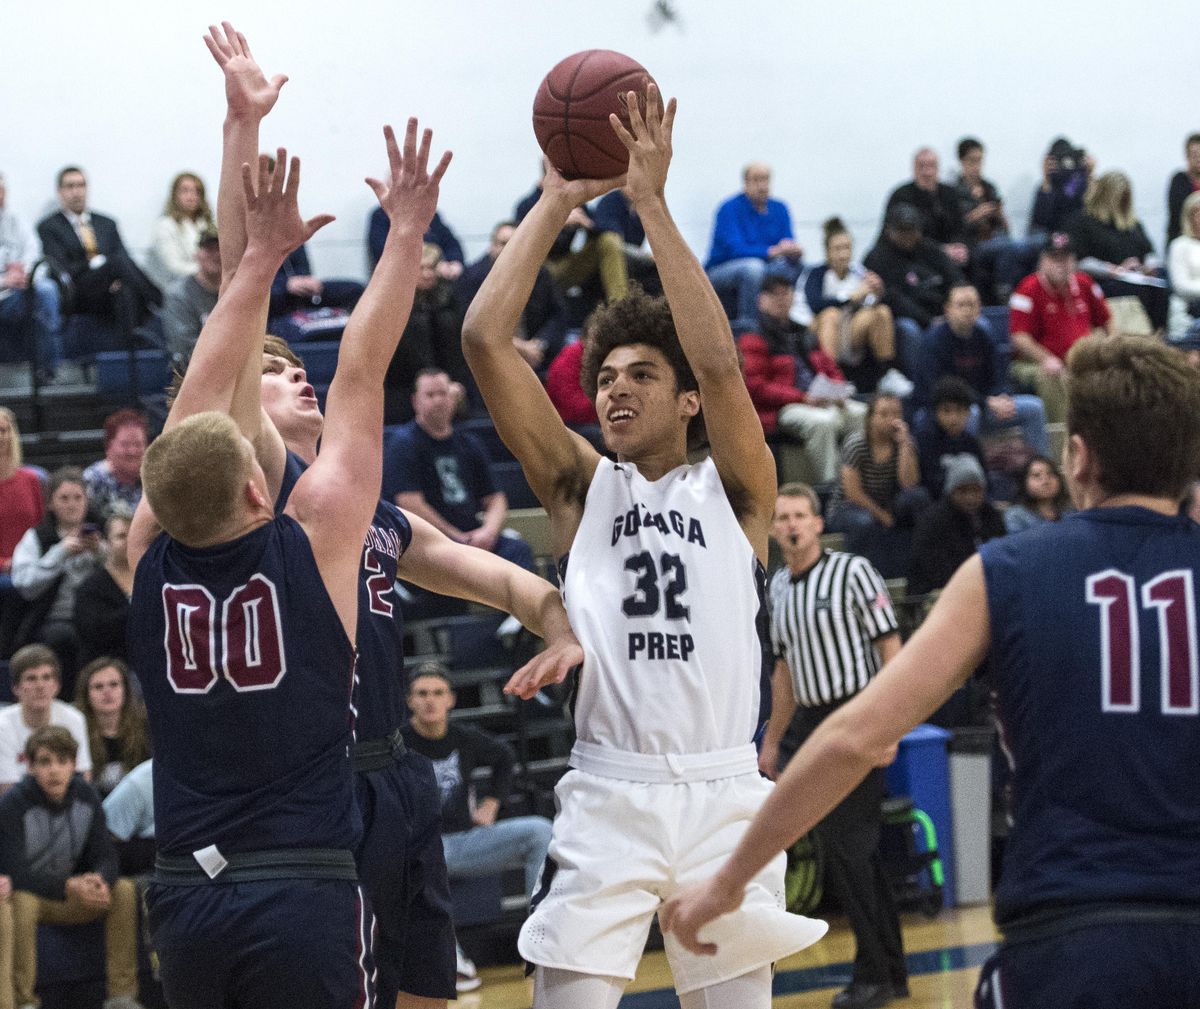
(14, 733)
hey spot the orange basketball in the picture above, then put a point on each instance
(571, 110)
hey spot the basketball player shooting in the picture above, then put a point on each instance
(1090, 625)
(663, 565)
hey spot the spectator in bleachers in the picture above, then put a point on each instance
(1048, 313)
(116, 480)
(937, 203)
(102, 600)
(449, 267)
(50, 563)
(563, 387)
(432, 339)
(998, 260)
(21, 495)
(1190, 505)
(616, 220)
(295, 289)
(129, 810)
(186, 216)
(1184, 269)
(950, 531)
(1066, 172)
(88, 248)
(118, 734)
(942, 432)
(1041, 496)
(961, 345)
(189, 300)
(36, 680)
(19, 252)
(1183, 184)
(780, 372)
(880, 486)
(752, 236)
(1108, 231)
(54, 844)
(543, 324)
(475, 842)
(843, 303)
(598, 256)
(917, 276)
(442, 475)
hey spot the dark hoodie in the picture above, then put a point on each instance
(42, 844)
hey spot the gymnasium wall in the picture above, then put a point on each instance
(835, 96)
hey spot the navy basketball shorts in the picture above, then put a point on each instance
(1110, 966)
(403, 873)
(275, 944)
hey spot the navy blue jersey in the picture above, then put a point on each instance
(1094, 648)
(380, 683)
(247, 673)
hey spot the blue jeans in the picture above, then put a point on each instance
(47, 323)
(744, 279)
(507, 844)
(909, 337)
(1007, 260)
(1030, 418)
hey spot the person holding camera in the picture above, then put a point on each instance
(1066, 172)
(49, 564)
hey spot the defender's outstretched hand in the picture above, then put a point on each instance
(550, 665)
(695, 906)
(648, 141)
(248, 93)
(273, 223)
(410, 195)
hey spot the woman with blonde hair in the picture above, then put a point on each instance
(844, 302)
(118, 734)
(1183, 258)
(1108, 233)
(186, 216)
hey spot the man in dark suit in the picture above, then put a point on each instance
(88, 247)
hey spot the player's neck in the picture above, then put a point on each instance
(241, 526)
(1163, 505)
(305, 449)
(655, 465)
(430, 730)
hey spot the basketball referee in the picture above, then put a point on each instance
(832, 629)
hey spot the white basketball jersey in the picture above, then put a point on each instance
(662, 588)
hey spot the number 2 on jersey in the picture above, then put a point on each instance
(1172, 596)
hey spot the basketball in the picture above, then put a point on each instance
(571, 109)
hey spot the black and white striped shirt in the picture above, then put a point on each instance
(824, 623)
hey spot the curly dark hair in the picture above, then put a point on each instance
(638, 318)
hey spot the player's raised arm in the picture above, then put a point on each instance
(735, 433)
(249, 97)
(550, 454)
(336, 497)
(438, 564)
(857, 737)
(233, 331)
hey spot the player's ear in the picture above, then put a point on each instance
(689, 402)
(1079, 465)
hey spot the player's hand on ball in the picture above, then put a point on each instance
(273, 221)
(648, 141)
(409, 197)
(248, 93)
(547, 667)
(576, 192)
(695, 906)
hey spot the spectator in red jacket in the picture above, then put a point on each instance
(562, 385)
(780, 371)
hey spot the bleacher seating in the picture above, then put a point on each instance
(113, 379)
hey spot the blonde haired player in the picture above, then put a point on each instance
(663, 588)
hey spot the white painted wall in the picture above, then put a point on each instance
(836, 96)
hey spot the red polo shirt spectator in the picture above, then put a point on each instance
(1057, 317)
(562, 385)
